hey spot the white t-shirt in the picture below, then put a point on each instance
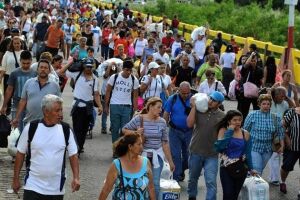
(121, 93)
(191, 57)
(9, 61)
(96, 34)
(47, 152)
(204, 87)
(167, 80)
(164, 58)
(83, 88)
(155, 87)
(199, 47)
(68, 30)
(175, 46)
(139, 46)
(227, 59)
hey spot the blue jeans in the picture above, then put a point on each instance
(103, 117)
(156, 176)
(119, 116)
(260, 160)
(179, 143)
(210, 165)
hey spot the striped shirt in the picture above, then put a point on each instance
(261, 127)
(155, 132)
(292, 120)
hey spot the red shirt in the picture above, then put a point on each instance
(105, 34)
(175, 23)
(167, 41)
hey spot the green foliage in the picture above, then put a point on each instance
(251, 20)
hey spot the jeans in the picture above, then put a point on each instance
(179, 143)
(119, 116)
(31, 195)
(260, 160)
(103, 117)
(156, 176)
(231, 186)
(210, 165)
(104, 51)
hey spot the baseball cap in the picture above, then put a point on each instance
(88, 63)
(217, 96)
(15, 30)
(170, 32)
(153, 65)
(202, 32)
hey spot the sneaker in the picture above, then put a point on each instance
(103, 131)
(283, 188)
(275, 183)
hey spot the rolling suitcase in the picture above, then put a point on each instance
(255, 188)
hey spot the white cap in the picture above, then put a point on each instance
(153, 65)
(53, 18)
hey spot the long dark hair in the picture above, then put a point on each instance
(121, 146)
(229, 115)
(271, 69)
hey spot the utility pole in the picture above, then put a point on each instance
(291, 4)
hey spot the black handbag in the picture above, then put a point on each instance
(237, 169)
(5, 129)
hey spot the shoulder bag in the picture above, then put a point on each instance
(122, 181)
(239, 168)
(16, 60)
(250, 89)
(275, 138)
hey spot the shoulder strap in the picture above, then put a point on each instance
(113, 86)
(243, 132)
(132, 88)
(16, 60)
(174, 98)
(141, 121)
(122, 181)
(77, 77)
(134, 45)
(162, 83)
(66, 131)
(216, 87)
(290, 91)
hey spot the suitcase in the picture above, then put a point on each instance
(255, 188)
(169, 189)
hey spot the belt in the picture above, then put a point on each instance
(172, 125)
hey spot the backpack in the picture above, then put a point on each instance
(32, 129)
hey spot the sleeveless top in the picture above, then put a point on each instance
(234, 151)
(136, 184)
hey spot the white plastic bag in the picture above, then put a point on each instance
(201, 101)
(12, 139)
(231, 92)
(166, 172)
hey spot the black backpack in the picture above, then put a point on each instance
(32, 129)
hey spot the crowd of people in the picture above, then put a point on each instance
(142, 76)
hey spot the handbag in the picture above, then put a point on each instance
(275, 138)
(250, 89)
(237, 169)
(5, 129)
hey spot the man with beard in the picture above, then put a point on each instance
(33, 92)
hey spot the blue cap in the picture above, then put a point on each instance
(217, 96)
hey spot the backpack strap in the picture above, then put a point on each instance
(76, 79)
(32, 129)
(216, 87)
(132, 88)
(66, 131)
(113, 86)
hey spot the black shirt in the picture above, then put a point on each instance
(255, 75)
(182, 74)
(89, 37)
(41, 30)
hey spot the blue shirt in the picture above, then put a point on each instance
(177, 111)
(261, 127)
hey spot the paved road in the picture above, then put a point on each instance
(94, 163)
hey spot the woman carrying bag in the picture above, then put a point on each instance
(130, 175)
(233, 144)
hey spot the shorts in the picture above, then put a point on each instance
(68, 39)
(289, 160)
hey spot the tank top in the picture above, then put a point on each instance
(136, 184)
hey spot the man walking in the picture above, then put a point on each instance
(46, 148)
(202, 152)
(33, 92)
(55, 38)
(121, 98)
(177, 109)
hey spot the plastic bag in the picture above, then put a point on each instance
(201, 101)
(166, 172)
(12, 139)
